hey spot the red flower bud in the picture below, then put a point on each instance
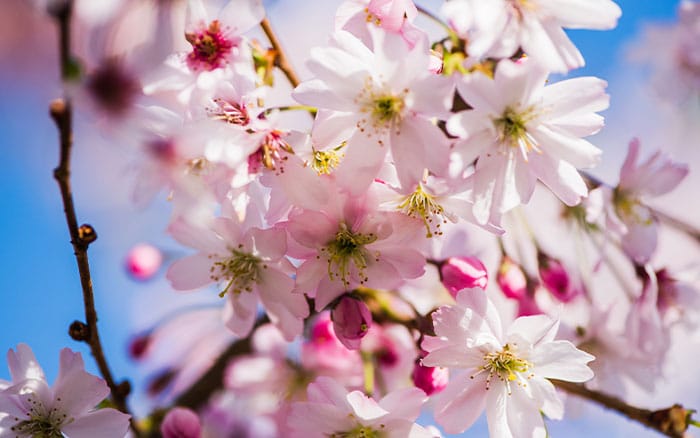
(351, 321)
(459, 273)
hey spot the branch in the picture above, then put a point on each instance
(81, 236)
(281, 60)
(672, 421)
(199, 392)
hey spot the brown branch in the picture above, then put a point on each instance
(81, 236)
(199, 392)
(281, 60)
(672, 421)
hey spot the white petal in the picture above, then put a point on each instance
(23, 364)
(191, 272)
(241, 16)
(459, 405)
(561, 178)
(585, 14)
(561, 360)
(107, 423)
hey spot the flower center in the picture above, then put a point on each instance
(210, 47)
(324, 162)
(421, 204)
(229, 112)
(41, 424)
(505, 365)
(385, 109)
(345, 250)
(512, 129)
(359, 432)
(241, 270)
(371, 18)
(630, 208)
(269, 154)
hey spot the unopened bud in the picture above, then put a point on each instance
(351, 321)
(138, 346)
(511, 279)
(430, 379)
(181, 423)
(143, 261)
(459, 273)
(555, 279)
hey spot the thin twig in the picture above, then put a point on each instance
(282, 62)
(81, 236)
(199, 392)
(672, 421)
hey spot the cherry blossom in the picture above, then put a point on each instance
(29, 407)
(332, 411)
(250, 265)
(499, 28)
(503, 372)
(520, 131)
(381, 99)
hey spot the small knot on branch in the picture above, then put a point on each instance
(673, 421)
(57, 109)
(122, 390)
(86, 234)
(79, 331)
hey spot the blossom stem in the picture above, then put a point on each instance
(672, 421)
(81, 236)
(368, 372)
(281, 60)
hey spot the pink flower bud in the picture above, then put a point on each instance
(351, 321)
(527, 306)
(463, 273)
(511, 279)
(138, 346)
(555, 279)
(181, 423)
(430, 379)
(143, 261)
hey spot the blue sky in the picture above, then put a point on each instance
(38, 278)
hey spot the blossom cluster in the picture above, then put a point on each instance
(389, 233)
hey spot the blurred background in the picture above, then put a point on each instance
(39, 284)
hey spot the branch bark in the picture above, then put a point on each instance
(672, 421)
(81, 236)
(282, 62)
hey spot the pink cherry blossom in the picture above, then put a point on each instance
(30, 407)
(332, 411)
(381, 99)
(622, 210)
(499, 28)
(249, 264)
(521, 131)
(503, 372)
(348, 243)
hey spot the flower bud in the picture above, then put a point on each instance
(555, 279)
(527, 306)
(459, 273)
(181, 423)
(430, 379)
(351, 321)
(143, 261)
(511, 279)
(139, 345)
